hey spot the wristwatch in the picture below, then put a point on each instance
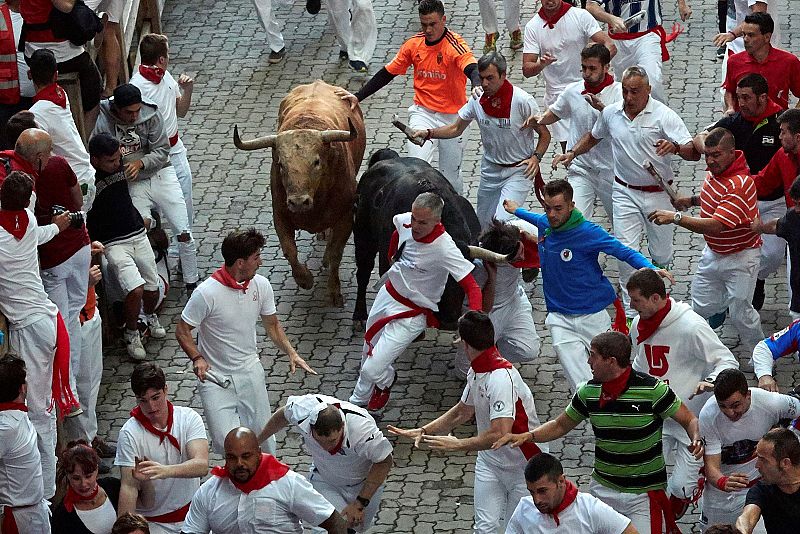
(677, 217)
(538, 156)
(363, 500)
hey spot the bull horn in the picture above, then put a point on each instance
(479, 253)
(330, 136)
(268, 141)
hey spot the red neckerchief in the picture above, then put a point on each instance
(489, 360)
(52, 93)
(338, 446)
(570, 495)
(608, 80)
(737, 168)
(269, 470)
(772, 109)
(530, 255)
(609, 391)
(499, 104)
(222, 276)
(551, 22)
(431, 237)
(648, 327)
(4, 406)
(137, 414)
(14, 222)
(152, 73)
(73, 496)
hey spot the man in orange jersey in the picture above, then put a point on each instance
(442, 63)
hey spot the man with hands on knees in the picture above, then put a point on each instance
(501, 403)
(767, 351)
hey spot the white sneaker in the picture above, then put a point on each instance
(156, 330)
(133, 342)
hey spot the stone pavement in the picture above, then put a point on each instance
(222, 45)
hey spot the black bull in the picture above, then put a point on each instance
(388, 187)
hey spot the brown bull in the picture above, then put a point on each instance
(316, 155)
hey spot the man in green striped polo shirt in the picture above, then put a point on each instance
(627, 410)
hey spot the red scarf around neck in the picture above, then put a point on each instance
(570, 495)
(611, 390)
(771, 109)
(499, 104)
(647, 327)
(222, 276)
(152, 73)
(14, 222)
(431, 237)
(551, 22)
(137, 414)
(269, 470)
(608, 80)
(489, 360)
(52, 93)
(4, 406)
(73, 496)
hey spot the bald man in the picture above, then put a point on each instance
(256, 494)
(32, 151)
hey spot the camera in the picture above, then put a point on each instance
(75, 217)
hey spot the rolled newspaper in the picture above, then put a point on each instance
(665, 185)
(408, 131)
(221, 381)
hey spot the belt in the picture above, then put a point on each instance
(643, 188)
(173, 140)
(507, 165)
(175, 516)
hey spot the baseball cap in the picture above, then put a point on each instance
(127, 94)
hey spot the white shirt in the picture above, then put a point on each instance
(633, 141)
(587, 515)
(165, 96)
(20, 462)
(572, 105)
(277, 508)
(504, 140)
(364, 444)
(101, 519)
(25, 84)
(421, 272)
(22, 297)
(134, 441)
(565, 42)
(502, 394)
(226, 318)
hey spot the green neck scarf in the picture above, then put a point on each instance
(575, 218)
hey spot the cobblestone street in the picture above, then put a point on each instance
(222, 45)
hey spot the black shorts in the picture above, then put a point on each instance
(91, 85)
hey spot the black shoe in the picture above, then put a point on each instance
(343, 56)
(103, 469)
(277, 57)
(313, 6)
(103, 448)
(758, 295)
(721, 51)
(358, 66)
(190, 287)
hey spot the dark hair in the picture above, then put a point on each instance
(762, 20)
(543, 464)
(153, 47)
(756, 82)
(500, 237)
(613, 345)
(18, 123)
(241, 244)
(648, 283)
(493, 58)
(15, 194)
(721, 137)
(426, 7)
(77, 453)
(476, 329)
(43, 66)
(128, 523)
(12, 376)
(558, 187)
(722, 529)
(791, 118)
(328, 420)
(102, 145)
(147, 375)
(785, 443)
(597, 50)
(728, 382)
(794, 189)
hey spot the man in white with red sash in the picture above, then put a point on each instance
(162, 443)
(405, 305)
(500, 401)
(22, 505)
(256, 494)
(556, 505)
(511, 155)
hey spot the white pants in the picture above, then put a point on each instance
(773, 249)
(572, 335)
(266, 14)
(497, 494)
(450, 150)
(355, 27)
(685, 477)
(33, 519)
(634, 506)
(88, 375)
(36, 345)
(645, 52)
(184, 174)
(631, 208)
(489, 15)
(388, 345)
(340, 497)
(497, 184)
(66, 284)
(244, 403)
(727, 281)
(163, 191)
(722, 507)
(586, 187)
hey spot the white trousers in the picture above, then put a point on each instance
(88, 375)
(66, 284)
(497, 184)
(725, 508)
(727, 281)
(497, 494)
(355, 27)
(634, 506)
(341, 496)
(33, 519)
(572, 335)
(587, 187)
(36, 345)
(685, 477)
(388, 345)
(266, 14)
(645, 52)
(489, 15)
(244, 403)
(631, 208)
(450, 150)
(184, 173)
(163, 191)
(773, 249)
